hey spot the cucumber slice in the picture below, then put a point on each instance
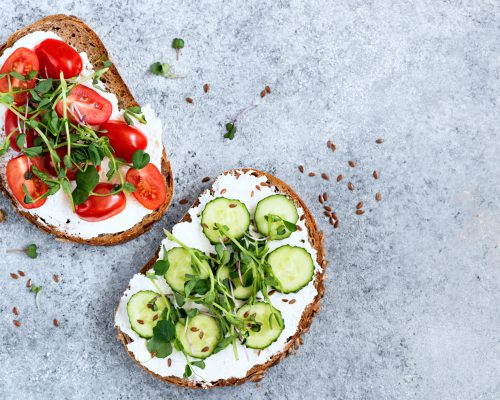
(201, 336)
(232, 213)
(143, 318)
(271, 320)
(180, 265)
(278, 205)
(240, 292)
(292, 266)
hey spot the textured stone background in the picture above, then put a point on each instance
(411, 308)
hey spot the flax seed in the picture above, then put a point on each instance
(336, 224)
(331, 221)
(292, 301)
(206, 226)
(223, 191)
(16, 323)
(334, 216)
(302, 217)
(55, 278)
(252, 193)
(327, 214)
(325, 176)
(311, 174)
(327, 208)
(169, 362)
(155, 317)
(232, 205)
(301, 169)
(359, 205)
(378, 197)
(263, 93)
(350, 186)
(379, 141)
(299, 228)
(56, 323)
(28, 283)
(320, 199)
(15, 311)
(257, 187)
(205, 179)
(329, 144)
(360, 212)
(14, 276)
(339, 178)
(189, 100)
(183, 201)
(268, 89)
(2, 216)
(140, 321)
(325, 196)
(333, 147)
(201, 334)
(206, 87)
(205, 349)
(375, 174)
(284, 300)
(271, 292)
(194, 329)
(246, 314)
(351, 163)
(21, 273)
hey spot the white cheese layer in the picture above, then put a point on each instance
(222, 365)
(57, 209)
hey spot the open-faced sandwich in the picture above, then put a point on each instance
(79, 157)
(231, 289)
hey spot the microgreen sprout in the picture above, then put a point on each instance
(177, 44)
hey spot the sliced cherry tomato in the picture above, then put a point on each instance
(85, 105)
(56, 56)
(11, 124)
(99, 208)
(22, 61)
(49, 165)
(124, 139)
(150, 188)
(18, 170)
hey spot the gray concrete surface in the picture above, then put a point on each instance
(411, 308)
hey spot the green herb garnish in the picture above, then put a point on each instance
(163, 69)
(177, 44)
(32, 251)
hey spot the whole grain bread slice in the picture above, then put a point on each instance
(75, 32)
(257, 372)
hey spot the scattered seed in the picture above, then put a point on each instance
(183, 201)
(327, 214)
(206, 87)
(205, 179)
(299, 228)
(265, 184)
(284, 300)
(155, 317)
(311, 174)
(28, 283)
(271, 292)
(321, 199)
(336, 224)
(325, 176)
(189, 100)
(257, 187)
(267, 89)
(169, 362)
(301, 169)
(333, 147)
(140, 321)
(149, 305)
(375, 174)
(379, 141)
(194, 329)
(339, 178)
(246, 314)
(302, 217)
(2, 216)
(56, 323)
(350, 186)
(334, 216)
(332, 221)
(360, 212)
(378, 197)
(327, 208)
(15, 311)
(351, 163)
(201, 334)
(223, 191)
(263, 93)
(205, 349)
(329, 144)
(359, 205)
(206, 226)
(292, 301)
(16, 323)
(232, 205)
(55, 277)
(325, 196)
(13, 275)
(252, 193)
(21, 273)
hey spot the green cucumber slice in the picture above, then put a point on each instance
(271, 320)
(143, 318)
(292, 266)
(240, 292)
(278, 205)
(201, 336)
(232, 213)
(179, 265)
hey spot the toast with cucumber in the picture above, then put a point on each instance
(231, 289)
(79, 157)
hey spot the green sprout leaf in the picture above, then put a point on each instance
(32, 250)
(140, 159)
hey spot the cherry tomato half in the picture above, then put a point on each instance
(85, 105)
(11, 124)
(18, 170)
(22, 61)
(49, 165)
(150, 188)
(99, 208)
(56, 56)
(124, 139)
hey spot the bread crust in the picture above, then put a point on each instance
(256, 373)
(75, 32)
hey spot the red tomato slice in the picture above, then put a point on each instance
(49, 165)
(151, 190)
(17, 171)
(85, 105)
(99, 208)
(22, 61)
(56, 56)
(124, 139)
(11, 124)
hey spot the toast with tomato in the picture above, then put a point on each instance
(79, 157)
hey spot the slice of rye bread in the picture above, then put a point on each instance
(256, 373)
(75, 32)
